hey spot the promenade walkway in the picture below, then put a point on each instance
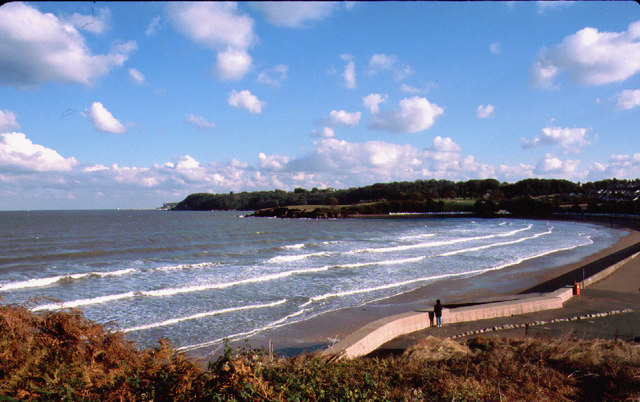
(551, 303)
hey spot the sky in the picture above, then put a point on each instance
(131, 105)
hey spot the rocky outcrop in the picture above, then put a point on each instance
(286, 212)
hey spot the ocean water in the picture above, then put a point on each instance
(199, 277)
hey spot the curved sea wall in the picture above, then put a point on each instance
(375, 334)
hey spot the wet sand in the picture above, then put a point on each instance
(320, 331)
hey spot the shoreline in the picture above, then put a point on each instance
(319, 332)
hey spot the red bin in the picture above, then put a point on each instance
(576, 288)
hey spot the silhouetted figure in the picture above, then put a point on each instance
(437, 311)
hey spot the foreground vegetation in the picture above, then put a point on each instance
(63, 356)
(532, 197)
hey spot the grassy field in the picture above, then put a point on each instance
(62, 356)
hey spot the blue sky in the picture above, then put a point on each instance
(129, 105)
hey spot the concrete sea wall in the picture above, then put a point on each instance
(373, 335)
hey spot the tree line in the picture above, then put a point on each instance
(525, 197)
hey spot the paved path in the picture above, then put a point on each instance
(618, 291)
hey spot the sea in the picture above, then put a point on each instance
(198, 278)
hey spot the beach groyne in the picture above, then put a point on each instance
(373, 335)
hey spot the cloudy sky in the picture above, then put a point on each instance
(129, 105)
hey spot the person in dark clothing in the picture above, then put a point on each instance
(437, 310)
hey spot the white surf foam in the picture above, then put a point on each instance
(416, 237)
(444, 276)
(384, 262)
(84, 302)
(532, 257)
(166, 292)
(40, 282)
(202, 315)
(293, 246)
(438, 243)
(52, 280)
(178, 267)
(486, 246)
(271, 325)
(297, 257)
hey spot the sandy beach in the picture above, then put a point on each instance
(318, 332)
(608, 309)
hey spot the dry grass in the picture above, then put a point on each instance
(431, 348)
(63, 356)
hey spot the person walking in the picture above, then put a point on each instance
(437, 311)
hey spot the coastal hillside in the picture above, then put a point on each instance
(532, 197)
(62, 356)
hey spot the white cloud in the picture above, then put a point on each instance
(484, 112)
(8, 120)
(245, 100)
(92, 23)
(571, 140)
(327, 132)
(338, 117)
(445, 144)
(33, 169)
(495, 48)
(153, 26)
(543, 72)
(409, 89)
(381, 61)
(349, 74)
(200, 122)
(94, 168)
(274, 76)
(294, 14)
(18, 153)
(38, 48)
(186, 162)
(415, 114)
(415, 90)
(103, 120)
(372, 102)
(136, 76)
(619, 165)
(220, 27)
(233, 64)
(591, 57)
(338, 162)
(628, 99)
(515, 173)
(551, 166)
(212, 24)
(443, 160)
(133, 175)
(544, 6)
(369, 159)
(272, 162)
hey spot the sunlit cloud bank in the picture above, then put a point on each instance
(28, 168)
(571, 140)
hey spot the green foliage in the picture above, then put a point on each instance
(529, 197)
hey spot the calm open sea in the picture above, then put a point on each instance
(198, 277)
